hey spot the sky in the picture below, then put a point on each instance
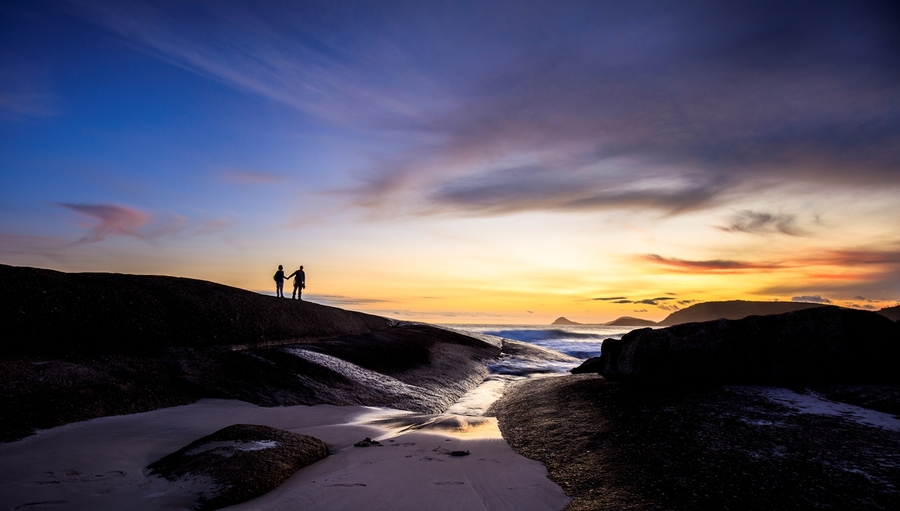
(461, 162)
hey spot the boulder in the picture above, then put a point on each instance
(591, 365)
(818, 345)
(239, 462)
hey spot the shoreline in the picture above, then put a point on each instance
(99, 464)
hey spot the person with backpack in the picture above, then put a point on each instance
(299, 283)
(279, 281)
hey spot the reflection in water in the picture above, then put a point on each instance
(538, 352)
(444, 424)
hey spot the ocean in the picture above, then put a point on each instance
(579, 342)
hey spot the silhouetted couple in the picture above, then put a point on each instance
(299, 282)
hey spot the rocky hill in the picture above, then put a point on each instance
(55, 313)
(732, 309)
(892, 313)
(563, 321)
(85, 345)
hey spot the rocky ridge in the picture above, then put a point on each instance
(92, 345)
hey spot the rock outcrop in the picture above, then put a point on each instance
(90, 345)
(824, 344)
(48, 312)
(240, 462)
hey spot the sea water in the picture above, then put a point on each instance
(579, 342)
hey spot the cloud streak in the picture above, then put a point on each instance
(713, 265)
(759, 222)
(648, 106)
(810, 299)
(104, 220)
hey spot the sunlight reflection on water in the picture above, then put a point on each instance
(579, 342)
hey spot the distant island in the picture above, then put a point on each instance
(709, 311)
(623, 321)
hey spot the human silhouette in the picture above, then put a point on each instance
(299, 283)
(279, 281)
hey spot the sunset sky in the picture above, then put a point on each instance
(454, 162)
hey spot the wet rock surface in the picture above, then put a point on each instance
(817, 345)
(611, 445)
(240, 462)
(92, 345)
(48, 392)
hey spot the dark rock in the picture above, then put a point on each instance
(435, 367)
(591, 365)
(241, 462)
(732, 309)
(616, 446)
(51, 313)
(459, 453)
(366, 442)
(820, 345)
(88, 345)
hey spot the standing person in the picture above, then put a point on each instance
(279, 281)
(299, 282)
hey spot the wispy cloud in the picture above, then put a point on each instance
(647, 107)
(715, 265)
(564, 189)
(345, 300)
(810, 299)
(317, 60)
(104, 220)
(759, 222)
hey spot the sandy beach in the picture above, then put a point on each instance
(99, 464)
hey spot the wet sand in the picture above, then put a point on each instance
(100, 464)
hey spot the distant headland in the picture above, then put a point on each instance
(709, 311)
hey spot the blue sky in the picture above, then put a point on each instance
(483, 161)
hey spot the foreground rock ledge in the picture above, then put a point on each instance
(612, 445)
(240, 462)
